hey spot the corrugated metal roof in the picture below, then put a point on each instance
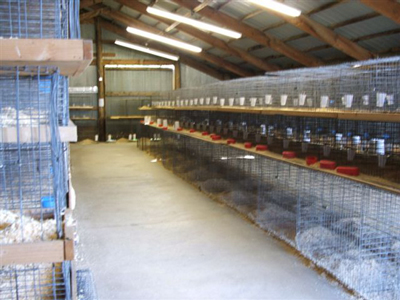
(306, 43)
(328, 53)
(238, 9)
(234, 59)
(381, 43)
(217, 52)
(285, 31)
(243, 43)
(264, 52)
(262, 21)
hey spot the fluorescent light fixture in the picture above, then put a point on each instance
(163, 39)
(115, 66)
(194, 23)
(147, 50)
(278, 7)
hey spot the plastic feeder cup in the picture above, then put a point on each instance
(141, 122)
(289, 154)
(204, 133)
(151, 123)
(261, 148)
(231, 141)
(310, 160)
(48, 202)
(327, 164)
(160, 125)
(179, 129)
(216, 137)
(248, 145)
(192, 130)
(351, 171)
(165, 128)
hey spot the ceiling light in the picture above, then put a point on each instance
(278, 7)
(147, 50)
(163, 39)
(194, 23)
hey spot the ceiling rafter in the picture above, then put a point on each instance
(218, 61)
(184, 58)
(255, 34)
(388, 8)
(92, 14)
(89, 3)
(205, 37)
(327, 35)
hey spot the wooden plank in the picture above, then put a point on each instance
(388, 8)
(126, 117)
(70, 56)
(101, 105)
(25, 253)
(177, 76)
(136, 62)
(82, 107)
(372, 181)
(83, 119)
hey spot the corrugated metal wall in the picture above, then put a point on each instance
(126, 81)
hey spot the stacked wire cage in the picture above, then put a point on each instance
(34, 162)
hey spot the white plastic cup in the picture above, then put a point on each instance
(302, 99)
(365, 100)
(390, 99)
(324, 101)
(231, 101)
(201, 101)
(208, 99)
(253, 101)
(186, 102)
(348, 100)
(176, 125)
(283, 100)
(109, 137)
(165, 123)
(169, 103)
(196, 101)
(380, 146)
(215, 100)
(134, 136)
(222, 101)
(380, 99)
(191, 102)
(268, 99)
(159, 122)
(241, 101)
(96, 138)
(130, 137)
(296, 102)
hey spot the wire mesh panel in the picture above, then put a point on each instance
(32, 158)
(39, 19)
(35, 281)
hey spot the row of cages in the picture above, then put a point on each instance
(349, 229)
(374, 147)
(372, 85)
(34, 162)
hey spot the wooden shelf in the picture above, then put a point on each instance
(70, 56)
(300, 112)
(364, 179)
(84, 119)
(82, 108)
(126, 117)
(145, 108)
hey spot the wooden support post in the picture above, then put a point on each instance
(100, 84)
(177, 73)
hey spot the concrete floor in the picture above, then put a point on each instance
(146, 234)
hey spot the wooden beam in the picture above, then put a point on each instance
(137, 62)
(129, 21)
(88, 3)
(177, 76)
(100, 84)
(91, 14)
(131, 94)
(254, 34)
(70, 56)
(327, 35)
(388, 8)
(186, 59)
(201, 35)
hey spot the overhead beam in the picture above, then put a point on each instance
(201, 35)
(184, 58)
(91, 14)
(387, 8)
(100, 84)
(128, 21)
(254, 34)
(88, 3)
(327, 35)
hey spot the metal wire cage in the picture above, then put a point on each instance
(39, 19)
(32, 158)
(36, 281)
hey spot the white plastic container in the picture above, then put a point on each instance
(222, 101)
(201, 101)
(186, 102)
(215, 100)
(348, 100)
(380, 99)
(253, 101)
(196, 101)
(365, 100)
(191, 102)
(231, 101)
(284, 100)
(302, 99)
(241, 101)
(165, 123)
(159, 122)
(324, 101)
(208, 100)
(268, 99)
